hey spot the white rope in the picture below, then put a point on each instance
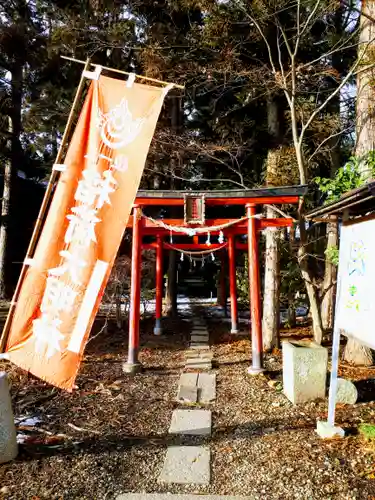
(192, 231)
(196, 252)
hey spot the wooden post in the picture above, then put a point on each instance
(43, 209)
(232, 284)
(159, 285)
(254, 293)
(133, 365)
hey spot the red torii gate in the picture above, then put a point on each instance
(195, 223)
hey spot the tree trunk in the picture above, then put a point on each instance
(271, 304)
(355, 352)
(171, 288)
(303, 260)
(5, 205)
(330, 276)
(292, 321)
(365, 111)
(10, 176)
(271, 294)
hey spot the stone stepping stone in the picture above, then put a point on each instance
(170, 496)
(186, 465)
(198, 364)
(188, 388)
(188, 379)
(187, 394)
(194, 345)
(207, 355)
(191, 423)
(197, 387)
(199, 339)
(206, 384)
(200, 333)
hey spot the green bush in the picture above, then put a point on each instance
(332, 254)
(352, 175)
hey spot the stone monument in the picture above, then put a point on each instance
(347, 393)
(304, 371)
(8, 437)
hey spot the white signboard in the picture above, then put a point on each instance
(355, 306)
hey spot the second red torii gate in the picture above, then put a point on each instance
(249, 225)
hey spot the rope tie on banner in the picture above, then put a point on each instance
(130, 81)
(93, 75)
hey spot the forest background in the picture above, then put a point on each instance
(276, 93)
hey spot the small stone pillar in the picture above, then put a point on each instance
(304, 371)
(8, 437)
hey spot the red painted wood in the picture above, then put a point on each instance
(180, 222)
(135, 287)
(232, 282)
(159, 278)
(281, 222)
(254, 288)
(240, 228)
(190, 246)
(277, 200)
(193, 246)
(242, 246)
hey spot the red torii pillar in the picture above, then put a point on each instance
(222, 299)
(133, 365)
(232, 284)
(254, 293)
(159, 285)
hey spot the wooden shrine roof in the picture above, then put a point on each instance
(356, 202)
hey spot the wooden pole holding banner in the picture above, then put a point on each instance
(333, 380)
(43, 209)
(327, 429)
(123, 72)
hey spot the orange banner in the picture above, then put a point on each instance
(89, 211)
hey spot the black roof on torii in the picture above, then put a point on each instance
(274, 192)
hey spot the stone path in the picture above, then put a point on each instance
(191, 464)
(191, 422)
(186, 464)
(168, 496)
(197, 387)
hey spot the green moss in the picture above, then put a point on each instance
(367, 430)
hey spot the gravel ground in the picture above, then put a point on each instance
(110, 436)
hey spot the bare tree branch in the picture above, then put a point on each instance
(336, 134)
